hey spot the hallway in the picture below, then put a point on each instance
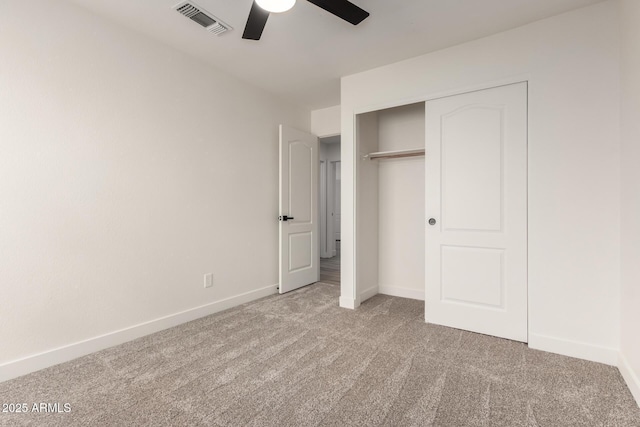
(330, 268)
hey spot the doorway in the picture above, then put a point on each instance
(330, 212)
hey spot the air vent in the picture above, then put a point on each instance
(202, 17)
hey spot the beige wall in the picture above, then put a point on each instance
(128, 170)
(401, 203)
(326, 121)
(367, 195)
(630, 228)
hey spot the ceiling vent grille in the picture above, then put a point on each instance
(202, 17)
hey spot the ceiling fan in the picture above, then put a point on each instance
(260, 10)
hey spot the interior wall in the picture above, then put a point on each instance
(330, 151)
(128, 170)
(367, 242)
(630, 227)
(574, 163)
(401, 203)
(326, 121)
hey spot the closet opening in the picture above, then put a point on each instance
(390, 204)
(330, 193)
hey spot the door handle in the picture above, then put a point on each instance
(432, 221)
(285, 218)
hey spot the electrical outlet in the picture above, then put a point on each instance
(208, 280)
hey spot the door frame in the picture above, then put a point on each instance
(327, 206)
(351, 290)
(324, 209)
(331, 206)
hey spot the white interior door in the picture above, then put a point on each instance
(299, 232)
(476, 206)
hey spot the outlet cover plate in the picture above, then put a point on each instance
(208, 280)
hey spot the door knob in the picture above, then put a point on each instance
(285, 218)
(432, 221)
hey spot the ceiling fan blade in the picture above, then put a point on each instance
(343, 9)
(255, 23)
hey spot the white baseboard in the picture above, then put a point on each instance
(386, 290)
(368, 293)
(401, 292)
(594, 353)
(350, 303)
(55, 356)
(632, 378)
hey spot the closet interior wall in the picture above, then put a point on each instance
(367, 206)
(401, 203)
(390, 204)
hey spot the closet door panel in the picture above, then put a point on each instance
(472, 169)
(476, 206)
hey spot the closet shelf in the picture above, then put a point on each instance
(395, 154)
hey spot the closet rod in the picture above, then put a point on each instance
(395, 154)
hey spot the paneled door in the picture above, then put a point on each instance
(299, 231)
(476, 207)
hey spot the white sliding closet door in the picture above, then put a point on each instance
(476, 207)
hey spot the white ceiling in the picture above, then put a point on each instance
(304, 52)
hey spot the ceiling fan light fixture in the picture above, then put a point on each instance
(276, 6)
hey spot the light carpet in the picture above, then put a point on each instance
(300, 360)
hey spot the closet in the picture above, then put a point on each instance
(391, 190)
(441, 208)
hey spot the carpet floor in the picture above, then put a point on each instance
(300, 360)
